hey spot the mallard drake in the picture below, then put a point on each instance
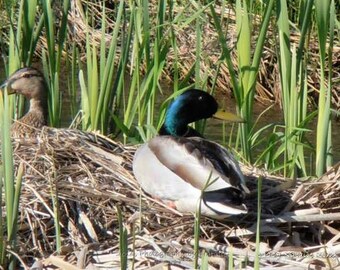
(30, 83)
(179, 166)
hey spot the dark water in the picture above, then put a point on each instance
(214, 129)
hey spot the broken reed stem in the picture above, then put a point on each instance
(306, 218)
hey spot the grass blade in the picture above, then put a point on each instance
(323, 143)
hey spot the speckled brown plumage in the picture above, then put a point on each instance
(29, 125)
(30, 83)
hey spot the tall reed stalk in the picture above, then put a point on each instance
(99, 89)
(56, 35)
(10, 186)
(150, 53)
(325, 20)
(294, 89)
(293, 74)
(244, 81)
(24, 32)
(72, 66)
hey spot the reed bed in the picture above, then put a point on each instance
(267, 86)
(98, 199)
(192, 44)
(80, 206)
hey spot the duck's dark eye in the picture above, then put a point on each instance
(27, 75)
(200, 98)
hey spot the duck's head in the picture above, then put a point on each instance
(191, 106)
(28, 82)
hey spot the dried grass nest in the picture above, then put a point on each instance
(92, 178)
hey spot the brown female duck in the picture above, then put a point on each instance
(30, 83)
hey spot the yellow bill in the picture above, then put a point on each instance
(228, 116)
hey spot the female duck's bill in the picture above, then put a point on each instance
(180, 169)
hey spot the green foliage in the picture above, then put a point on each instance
(24, 32)
(56, 34)
(285, 151)
(10, 186)
(23, 38)
(145, 88)
(72, 71)
(325, 19)
(100, 88)
(244, 81)
(294, 89)
(138, 47)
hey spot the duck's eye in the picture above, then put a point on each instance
(200, 98)
(27, 75)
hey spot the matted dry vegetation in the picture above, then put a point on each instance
(91, 176)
